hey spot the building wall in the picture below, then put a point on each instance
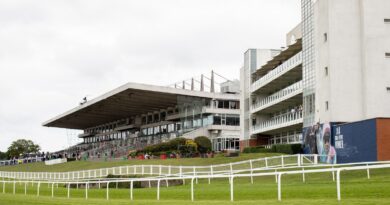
(293, 35)
(354, 53)
(383, 139)
(253, 59)
(376, 42)
(359, 142)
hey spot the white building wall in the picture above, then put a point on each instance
(253, 59)
(357, 39)
(376, 43)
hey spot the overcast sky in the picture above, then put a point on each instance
(53, 53)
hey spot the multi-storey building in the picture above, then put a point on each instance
(137, 115)
(273, 101)
(334, 70)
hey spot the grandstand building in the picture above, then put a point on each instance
(334, 69)
(136, 115)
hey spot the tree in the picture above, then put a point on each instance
(3, 155)
(22, 147)
(204, 144)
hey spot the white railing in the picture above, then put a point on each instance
(283, 120)
(281, 95)
(335, 170)
(166, 170)
(289, 139)
(278, 71)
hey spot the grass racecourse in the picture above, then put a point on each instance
(319, 188)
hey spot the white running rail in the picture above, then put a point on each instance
(277, 174)
(168, 170)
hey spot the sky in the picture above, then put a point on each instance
(53, 53)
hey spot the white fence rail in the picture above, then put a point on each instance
(168, 170)
(277, 174)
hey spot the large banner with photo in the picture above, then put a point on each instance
(318, 140)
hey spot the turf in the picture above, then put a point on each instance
(86, 165)
(319, 188)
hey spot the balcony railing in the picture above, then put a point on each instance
(283, 120)
(281, 69)
(278, 96)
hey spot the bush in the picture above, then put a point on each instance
(204, 144)
(287, 148)
(172, 145)
(259, 149)
(188, 149)
(278, 148)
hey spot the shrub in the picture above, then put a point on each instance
(172, 145)
(204, 144)
(287, 148)
(259, 149)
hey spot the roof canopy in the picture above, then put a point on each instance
(128, 100)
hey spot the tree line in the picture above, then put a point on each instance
(19, 149)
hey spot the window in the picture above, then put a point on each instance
(326, 71)
(325, 37)
(387, 55)
(326, 105)
(387, 21)
(388, 89)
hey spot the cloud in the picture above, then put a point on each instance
(53, 53)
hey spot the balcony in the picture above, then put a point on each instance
(277, 72)
(278, 97)
(277, 122)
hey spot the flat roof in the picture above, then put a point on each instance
(127, 100)
(289, 52)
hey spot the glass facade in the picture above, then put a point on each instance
(308, 62)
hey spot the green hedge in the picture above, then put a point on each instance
(172, 145)
(287, 148)
(204, 144)
(278, 148)
(259, 149)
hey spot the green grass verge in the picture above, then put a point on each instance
(86, 165)
(319, 188)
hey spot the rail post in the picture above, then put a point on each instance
(25, 188)
(280, 186)
(86, 190)
(38, 187)
(338, 185)
(131, 190)
(368, 172)
(108, 191)
(52, 190)
(232, 188)
(68, 190)
(333, 177)
(192, 189)
(303, 175)
(158, 190)
(251, 167)
(14, 189)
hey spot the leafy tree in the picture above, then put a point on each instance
(3, 155)
(22, 147)
(204, 144)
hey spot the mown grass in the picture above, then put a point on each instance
(319, 188)
(86, 165)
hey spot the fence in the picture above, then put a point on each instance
(278, 175)
(164, 170)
